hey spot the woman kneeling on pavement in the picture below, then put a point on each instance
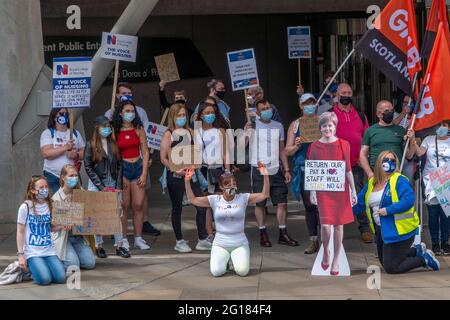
(73, 250)
(229, 214)
(388, 201)
(36, 249)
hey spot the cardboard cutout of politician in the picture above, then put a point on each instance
(330, 190)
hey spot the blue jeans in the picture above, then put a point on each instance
(438, 220)
(132, 170)
(53, 181)
(46, 270)
(78, 253)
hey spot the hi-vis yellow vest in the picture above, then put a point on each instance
(405, 222)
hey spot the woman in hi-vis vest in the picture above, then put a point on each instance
(388, 201)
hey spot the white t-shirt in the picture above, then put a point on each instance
(141, 112)
(230, 220)
(38, 240)
(429, 143)
(374, 203)
(211, 144)
(265, 143)
(59, 139)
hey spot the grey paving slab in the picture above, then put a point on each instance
(236, 293)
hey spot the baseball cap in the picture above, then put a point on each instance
(306, 96)
(102, 120)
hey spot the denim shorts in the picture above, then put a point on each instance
(132, 171)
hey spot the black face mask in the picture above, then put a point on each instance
(388, 116)
(220, 94)
(182, 101)
(345, 101)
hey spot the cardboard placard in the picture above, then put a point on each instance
(67, 213)
(72, 82)
(324, 175)
(182, 157)
(309, 128)
(167, 67)
(101, 212)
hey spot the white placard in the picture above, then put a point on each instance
(243, 71)
(440, 181)
(154, 134)
(299, 42)
(72, 82)
(321, 175)
(119, 47)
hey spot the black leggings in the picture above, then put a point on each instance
(398, 257)
(311, 212)
(176, 191)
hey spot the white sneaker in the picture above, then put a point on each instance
(125, 244)
(203, 245)
(182, 246)
(140, 243)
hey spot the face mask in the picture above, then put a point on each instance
(181, 122)
(63, 120)
(42, 194)
(231, 191)
(442, 132)
(180, 101)
(250, 100)
(345, 101)
(309, 109)
(388, 165)
(266, 115)
(209, 118)
(72, 182)
(126, 98)
(220, 94)
(388, 116)
(105, 132)
(333, 88)
(129, 116)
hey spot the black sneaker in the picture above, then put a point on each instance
(149, 229)
(122, 252)
(445, 248)
(101, 253)
(436, 248)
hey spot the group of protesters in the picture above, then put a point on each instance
(117, 159)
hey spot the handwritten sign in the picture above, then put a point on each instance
(440, 181)
(167, 67)
(324, 175)
(309, 128)
(154, 134)
(67, 213)
(182, 157)
(101, 214)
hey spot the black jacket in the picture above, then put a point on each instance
(98, 172)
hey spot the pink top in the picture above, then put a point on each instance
(334, 206)
(351, 129)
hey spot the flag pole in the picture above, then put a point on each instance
(413, 120)
(335, 75)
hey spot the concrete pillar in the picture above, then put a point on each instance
(25, 86)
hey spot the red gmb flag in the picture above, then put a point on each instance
(391, 44)
(438, 13)
(435, 104)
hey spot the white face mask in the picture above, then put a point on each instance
(230, 191)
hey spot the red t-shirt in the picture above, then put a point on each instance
(351, 129)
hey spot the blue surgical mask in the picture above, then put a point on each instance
(181, 122)
(72, 182)
(411, 106)
(333, 88)
(266, 115)
(209, 118)
(128, 116)
(42, 194)
(126, 98)
(388, 165)
(309, 109)
(105, 132)
(442, 131)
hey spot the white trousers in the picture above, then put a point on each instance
(240, 256)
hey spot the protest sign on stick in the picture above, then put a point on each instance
(299, 45)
